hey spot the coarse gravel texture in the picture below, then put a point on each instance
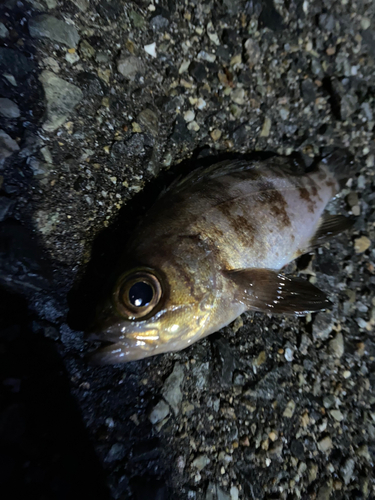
(102, 104)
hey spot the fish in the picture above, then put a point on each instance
(214, 246)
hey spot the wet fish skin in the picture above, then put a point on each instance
(216, 240)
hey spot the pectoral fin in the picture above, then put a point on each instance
(271, 292)
(330, 226)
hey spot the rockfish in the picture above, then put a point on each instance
(212, 247)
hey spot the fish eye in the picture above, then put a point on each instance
(140, 294)
(137, 293)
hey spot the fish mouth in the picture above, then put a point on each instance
(120, 341)
(119, 352)
(116, 343)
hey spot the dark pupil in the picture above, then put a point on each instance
(140, 294)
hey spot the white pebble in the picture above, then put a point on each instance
(201, 103)
(365, 23)
(184, 66)
(151, 49)
(71, 58)
(189, 116)
(284, 113)
(289, 354)
(193, 126)
(361, 322)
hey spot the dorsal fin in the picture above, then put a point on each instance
(225, 167)
(287, 164)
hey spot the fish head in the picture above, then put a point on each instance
(161, 307)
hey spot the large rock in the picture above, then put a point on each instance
(7, 146)
(8, 108)
(45, 26)
(62, 97)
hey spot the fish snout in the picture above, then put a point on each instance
(121, 342)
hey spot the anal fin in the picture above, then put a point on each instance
(272, 292)
(330, 226)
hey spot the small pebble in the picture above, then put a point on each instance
(273, 436)
(325, 445)
(184, 66)
(337, 415)
(362, 244)
(265, 132)
(110, 423)
(201, 103)
(365, 23)
(347, 470)
(289, 410)
(193, 126)
(4, 32)
(71, 58)
(337, 345)
(289, 354)
(151, 49)
(262, 356)
(136, 128)
(215, 134)
(284, 113)
(200, 462)
(205, 56)
(361, 323)
(236, 60)
(130, 67)
(238, 96)
(189, 116)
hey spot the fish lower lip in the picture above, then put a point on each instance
(112, 353)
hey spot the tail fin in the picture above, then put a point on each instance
(341, 163)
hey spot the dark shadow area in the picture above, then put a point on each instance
(110, 244)
(152, 489)
(45, 450)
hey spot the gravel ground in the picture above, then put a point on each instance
(102, 104)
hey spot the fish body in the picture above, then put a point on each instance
(211, 248)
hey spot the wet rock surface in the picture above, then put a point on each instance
(98, 102)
